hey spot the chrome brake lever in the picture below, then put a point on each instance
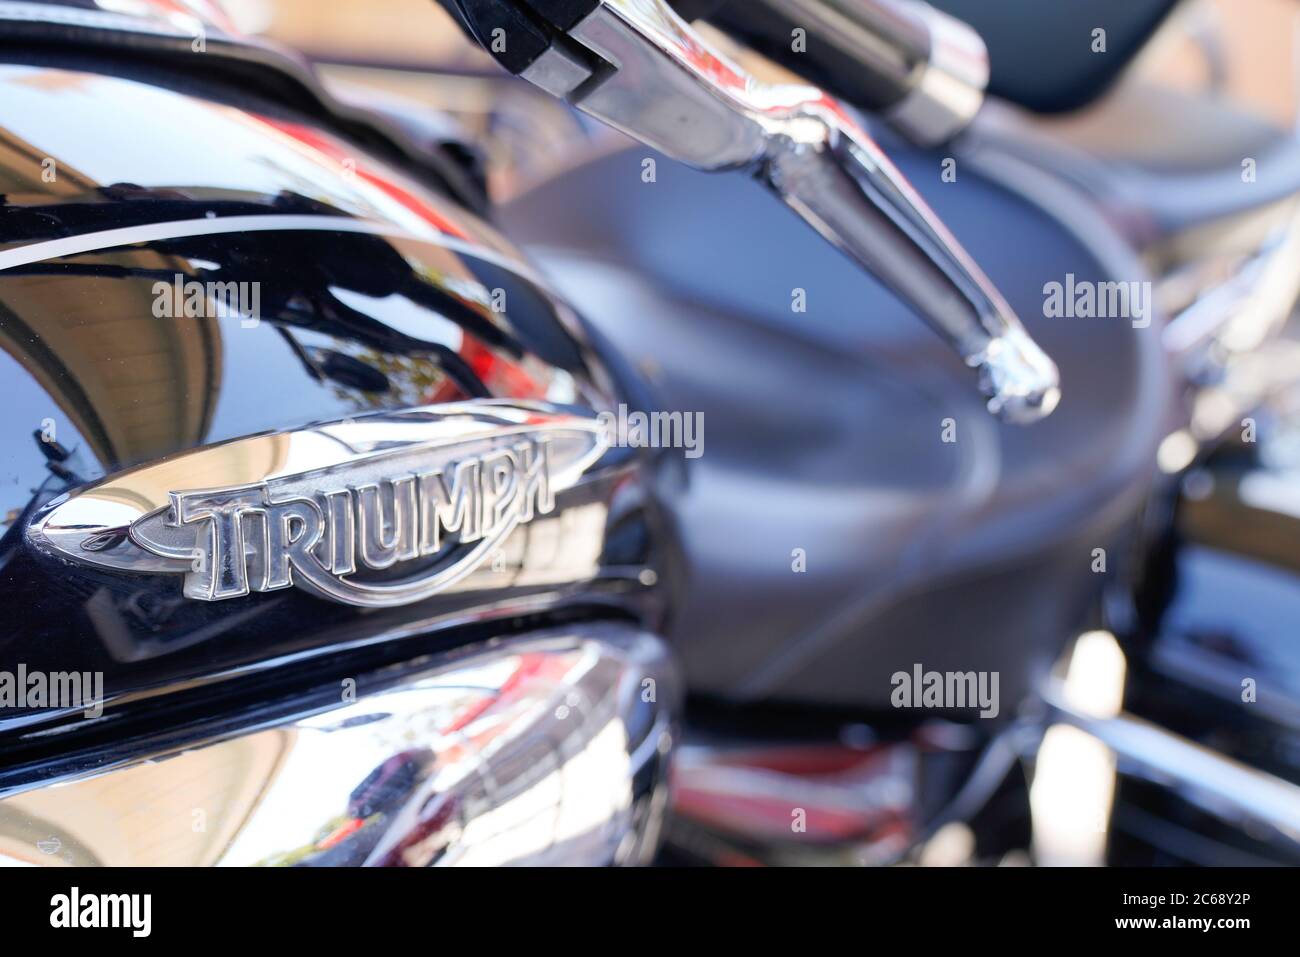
(637, 66)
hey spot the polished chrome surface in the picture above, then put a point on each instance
(1247, 307)
(672, 91)
(557, 72)
(435, 490)
(950, 90)
(1234, 792)
(546, 749)
(938, 63)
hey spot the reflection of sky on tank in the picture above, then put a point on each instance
(405, 316)
(266, 357)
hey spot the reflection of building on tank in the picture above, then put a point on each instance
(126, 410)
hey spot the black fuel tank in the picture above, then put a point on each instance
(185, 268)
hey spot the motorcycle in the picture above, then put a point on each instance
(346, 532)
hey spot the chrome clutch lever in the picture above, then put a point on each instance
(637, 66)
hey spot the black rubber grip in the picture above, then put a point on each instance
(874, 78)
(691, 10)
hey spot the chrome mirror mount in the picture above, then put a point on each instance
(637, 66)
(918, 68)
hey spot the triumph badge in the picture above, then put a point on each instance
(380, 510)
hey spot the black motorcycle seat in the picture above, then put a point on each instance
(823, 429)
(1146, 155)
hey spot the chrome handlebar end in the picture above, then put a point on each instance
(1021, 382)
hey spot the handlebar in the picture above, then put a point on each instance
(636, 65)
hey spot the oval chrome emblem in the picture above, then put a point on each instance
(341, 509)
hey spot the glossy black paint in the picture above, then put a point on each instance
(373, 293)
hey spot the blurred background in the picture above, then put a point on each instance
(1238, 49)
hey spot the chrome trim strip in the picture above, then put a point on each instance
(181, 229)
